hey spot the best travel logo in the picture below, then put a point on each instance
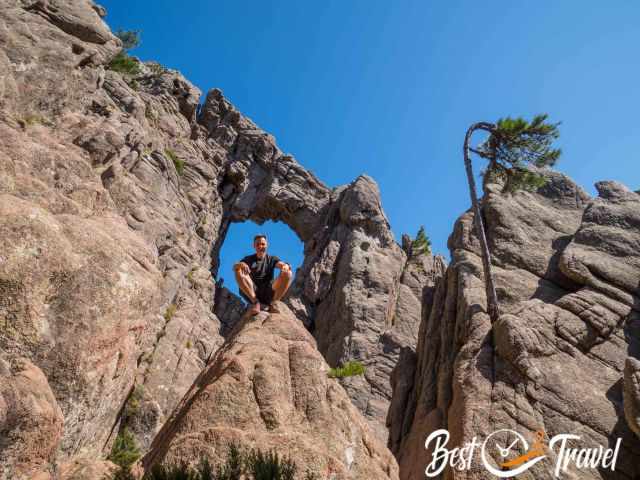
(514, 454)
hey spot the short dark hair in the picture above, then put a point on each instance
(259, 236)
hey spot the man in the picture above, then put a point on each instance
(254, 274)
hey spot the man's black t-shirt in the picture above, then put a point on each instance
(261, 269)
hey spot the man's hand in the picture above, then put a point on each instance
(242, 268)
(284, 267)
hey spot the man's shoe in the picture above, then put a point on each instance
(255, 308)
(273, 308)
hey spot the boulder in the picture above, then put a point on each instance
(268, 388)
(30, 420)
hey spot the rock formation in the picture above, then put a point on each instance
(268, 388)
(632, 394)
(567, 271)
(361, 295)
(116, 193)
(30, 419)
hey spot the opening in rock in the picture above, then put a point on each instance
(239, 242)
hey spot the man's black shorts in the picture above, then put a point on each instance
(264, 293)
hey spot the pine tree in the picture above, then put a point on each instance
(122, 62)
(421, 244)
(512, 147)
(130, 38)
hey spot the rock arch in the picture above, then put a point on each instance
(348, 290)
(139, 164)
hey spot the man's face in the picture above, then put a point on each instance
(261, 246)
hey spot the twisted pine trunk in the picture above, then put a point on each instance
(492, 299)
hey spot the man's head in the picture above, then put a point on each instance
(260, 244)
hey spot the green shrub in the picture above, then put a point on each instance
(179, 471)
(233, 468)
(177, 161)
(132, 407)
(269, 466)
(190, 275)
(204, 470)
(124, 451)
(123, 63)
(255, 465)
(171, 310)
(349, 369)
(33, 119)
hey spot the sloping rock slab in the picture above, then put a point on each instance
(268, 388)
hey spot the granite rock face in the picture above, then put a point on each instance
(268, 388)
(417, 288)
(78, 290)
(567, 272)
(360, 296)
(30, 420)
(632, 394)
(116, 194)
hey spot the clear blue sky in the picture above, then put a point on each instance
(389, 88)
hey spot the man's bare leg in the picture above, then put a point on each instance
(281, 285)
(246, 285)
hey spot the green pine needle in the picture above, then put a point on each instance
(514, 144)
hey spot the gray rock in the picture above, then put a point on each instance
(567, 279)
(229, 309)
(632, 394)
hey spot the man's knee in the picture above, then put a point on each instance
(286, 274)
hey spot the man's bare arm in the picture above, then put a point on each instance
(283, 266)
(243, 267)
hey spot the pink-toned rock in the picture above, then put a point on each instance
(30, 421)
(137, 172)
(83, 468)
(268, 388)
(78, 297)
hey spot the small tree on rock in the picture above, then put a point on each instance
(130, 38)
(513, 145)
(122, 62)
(421, 244)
